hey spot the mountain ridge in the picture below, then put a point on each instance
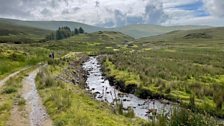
(136, 30)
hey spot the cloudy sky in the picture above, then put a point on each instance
(113, 13)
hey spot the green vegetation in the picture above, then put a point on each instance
(64, 32)
(13, 57)
(188, 70)
(182, 117)
(183, 66)
(9, 95)
(70, 105)
(136, 31)
(11, 33)
(52, 25)
(94, 43)
(122, 75)
(145, 30)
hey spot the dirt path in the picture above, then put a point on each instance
(33, 113)
(19, 117)
(37, 113)
(2, 82)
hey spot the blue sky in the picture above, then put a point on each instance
(197, 7)
(115, 13)
(191, 6)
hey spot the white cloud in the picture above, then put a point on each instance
(111, 13)
(215, 7)
(208, 20)
(174, 3)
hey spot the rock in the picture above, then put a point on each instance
(97, 92)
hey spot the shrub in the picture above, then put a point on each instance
(119, 108)
(61, 99)
(49, 81)
(192, 101)
(218, 99)
(184, 117)
(130, 113)
(21, 101)
(9, 90)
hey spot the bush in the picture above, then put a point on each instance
(9, 90)
(184, 117)
(130, 113)
(49, 81)
(21, 101)
(45, 79)
(62, 99)
(192, 102)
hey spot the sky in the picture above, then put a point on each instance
(117, 13)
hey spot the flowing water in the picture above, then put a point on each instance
(98, 85)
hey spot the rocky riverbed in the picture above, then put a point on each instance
(104, 91)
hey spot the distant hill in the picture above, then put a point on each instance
(53, 25)
(208, 34)
(12, 33)
(136, 31)
(145, 30)
(7, 28)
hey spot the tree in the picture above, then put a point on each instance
(76, 31)
(63, 32)
(51, 36)
(81, 31)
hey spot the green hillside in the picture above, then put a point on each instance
(53, 25)
(10, 32)
(7, 28)
(201, 35)
(136, 31)
(97, 42)
(180, 65)
(144, 30)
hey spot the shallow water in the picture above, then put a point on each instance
(100, 86)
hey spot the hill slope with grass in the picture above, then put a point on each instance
(183, 66)
(92, 43)
(136, 31)
(13, 29)
(198, 34)
(144, 30)
(53, 25)
(12, 33)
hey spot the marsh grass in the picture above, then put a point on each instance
(14, 57)
(174, 75)
(71, 105)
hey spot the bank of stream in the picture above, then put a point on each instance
(104, 91)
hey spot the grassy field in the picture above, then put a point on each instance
(136, 31)
(95, 43)
(184, 66)
(69, 105)
(180, 66)
(12, 33)
(14, 57)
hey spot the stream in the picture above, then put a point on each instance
(98, 85)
